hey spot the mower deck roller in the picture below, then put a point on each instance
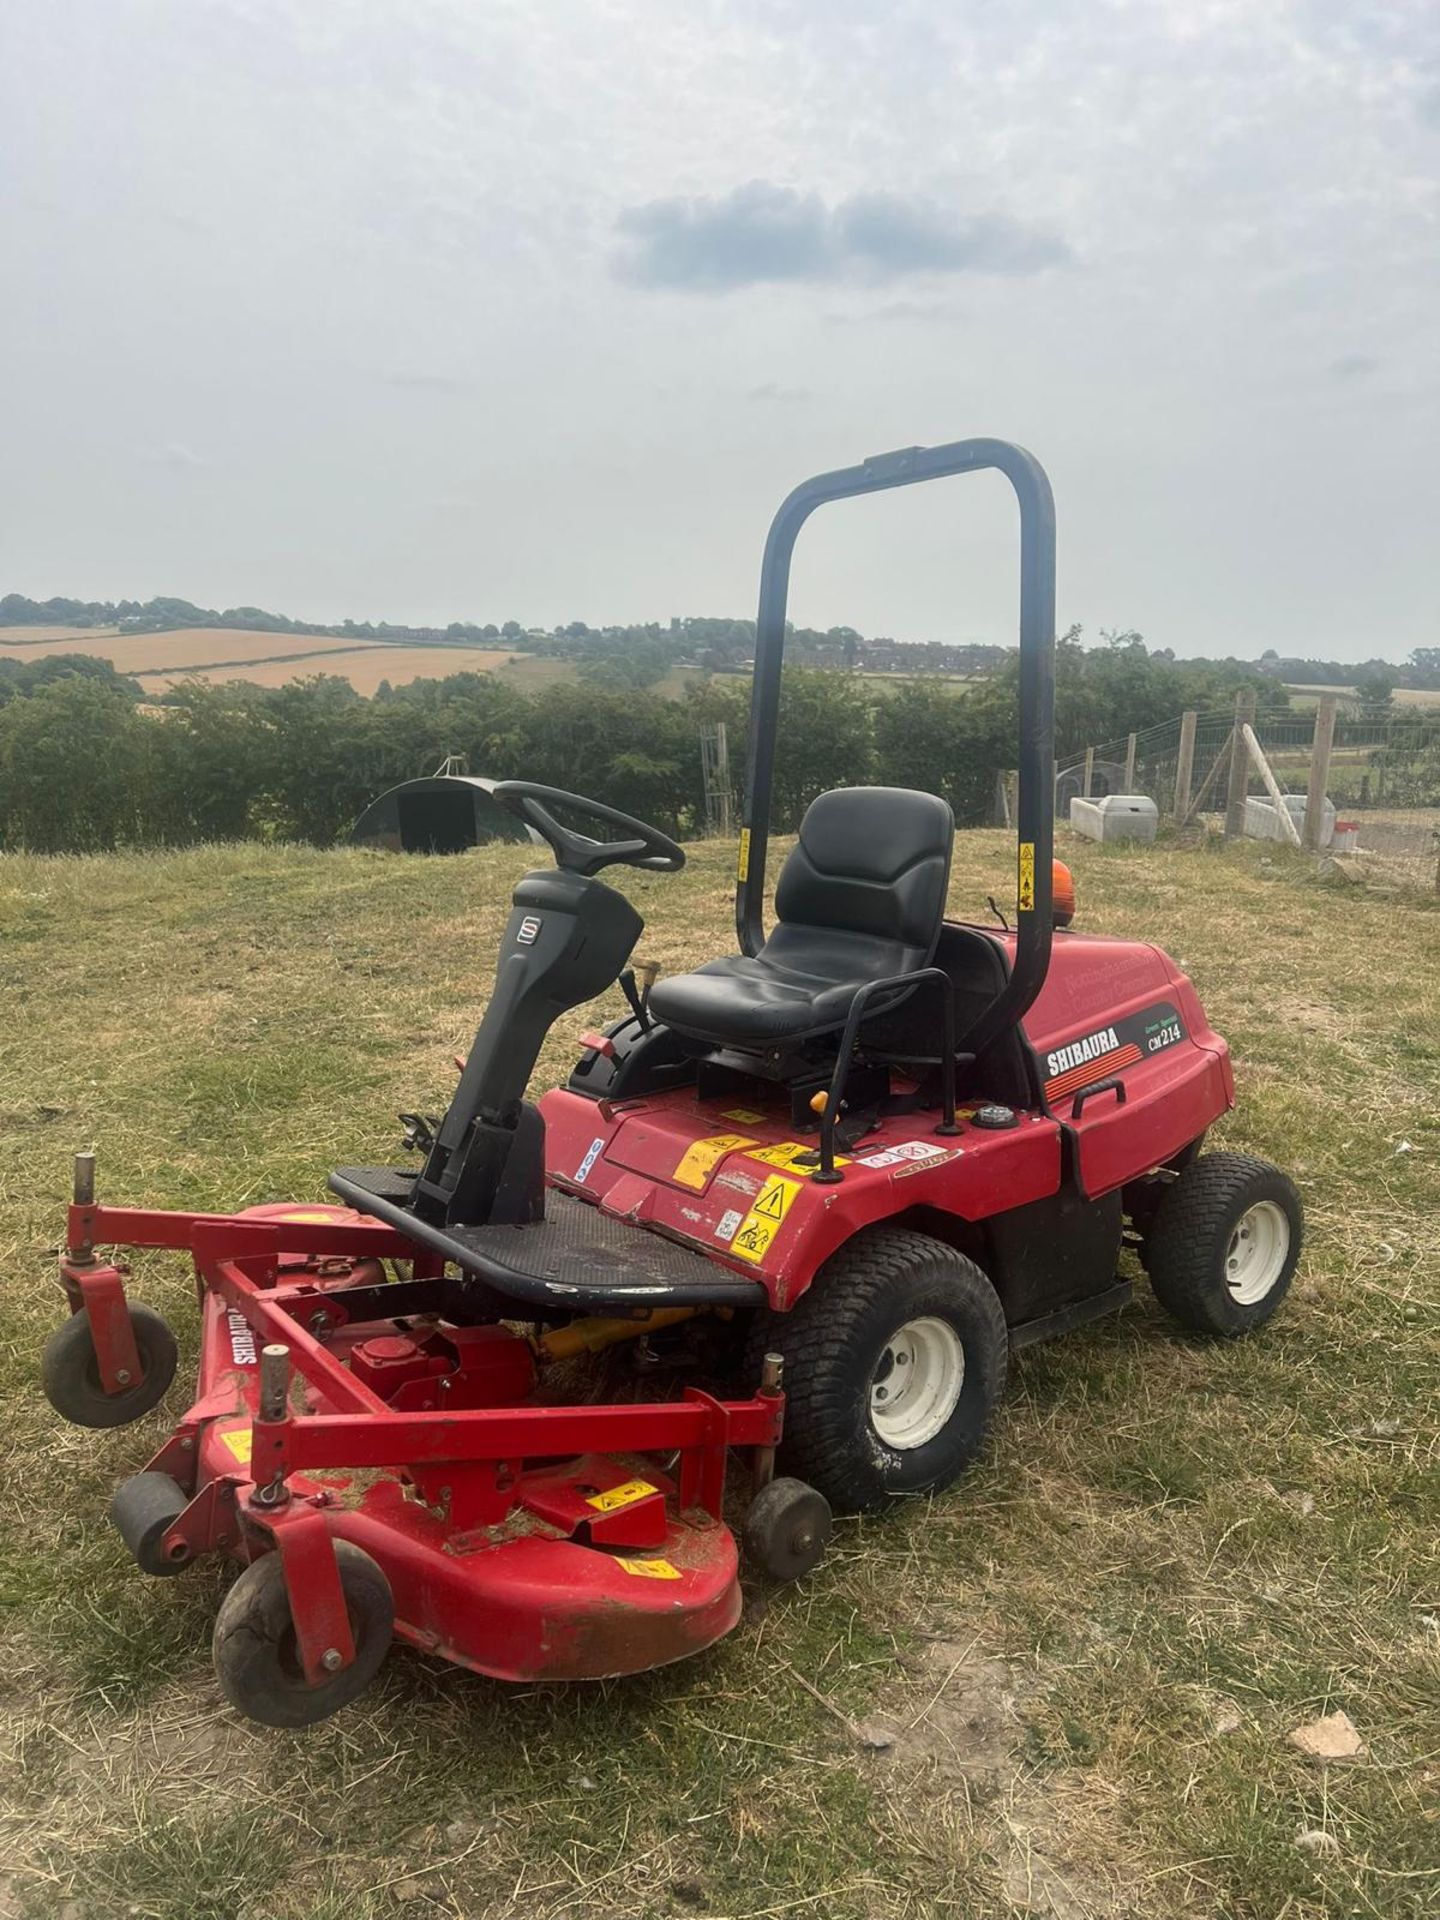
(835, 1177)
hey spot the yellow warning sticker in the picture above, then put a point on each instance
(698, 1161)
(309, 1216)
(1027, 876)
(622, 1496)
(649, 1569)
(765, 1218)
(792, 1154)
(742, 864)
(238, 1441)
(746, 1116)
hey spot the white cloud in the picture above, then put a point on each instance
(362, 257)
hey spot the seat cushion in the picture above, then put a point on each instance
(859, 899)
(758, 1002)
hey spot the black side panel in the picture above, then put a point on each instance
(644, 1061)
(1053, 1252)
(978, 971)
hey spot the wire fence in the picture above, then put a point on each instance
(1376, 781)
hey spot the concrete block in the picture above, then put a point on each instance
(1262, 821)
(1116, 816)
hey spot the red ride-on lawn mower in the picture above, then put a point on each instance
(850, 1168)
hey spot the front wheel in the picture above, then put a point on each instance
(70, 1372)
(257, 1658)
(894, 1363)
(1225, 1243)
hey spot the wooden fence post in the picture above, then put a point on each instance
(1324, 739)
(1130, 764)
(1002, 798)
(1089, 773)
(1221, 760)
(1184, 765)
(1239, 767)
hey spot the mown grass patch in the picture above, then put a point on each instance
(1174, 1553)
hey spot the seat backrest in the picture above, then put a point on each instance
(872, 861)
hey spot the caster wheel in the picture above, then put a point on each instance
(257, 1660)
(144, 1508)
(70, 1373)
(787, 1529)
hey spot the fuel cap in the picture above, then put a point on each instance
(995, 1118)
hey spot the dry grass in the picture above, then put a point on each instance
(1090, 1653)
(1403, 696)
(19, 642)
(176, 650)
(364, 666)
(158, 660)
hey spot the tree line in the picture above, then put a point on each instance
(87, 764)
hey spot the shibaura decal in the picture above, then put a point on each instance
(1106, 1050)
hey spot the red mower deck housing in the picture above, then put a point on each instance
(416, 1441)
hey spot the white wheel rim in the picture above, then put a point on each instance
(1256, 1255)
(916, 1383)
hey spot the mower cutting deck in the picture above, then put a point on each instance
(839, 1175)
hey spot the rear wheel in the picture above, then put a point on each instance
(894, 1363)
(1225, 1242)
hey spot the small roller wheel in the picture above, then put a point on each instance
(70, 1372)
(257, 1657)
(787, 1529)
(144, 1509)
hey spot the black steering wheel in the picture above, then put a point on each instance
(647, 847)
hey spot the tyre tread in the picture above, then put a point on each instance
(825, 1326)
(1188, 1225)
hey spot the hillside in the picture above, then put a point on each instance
(1175, 1552)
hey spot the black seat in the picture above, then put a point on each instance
(860, 898)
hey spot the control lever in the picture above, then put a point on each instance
(639, 997)
(419, 1134)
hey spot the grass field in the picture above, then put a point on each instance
(364, 666)
(23, 643)
(1089, 1655)
(159, 660)
(1306, 698)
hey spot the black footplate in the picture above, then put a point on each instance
(577, 1258)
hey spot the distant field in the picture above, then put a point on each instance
(363, 666)
(174, 651)
(159, 660)
(1404, 696)
(887, 683)
(19, 642)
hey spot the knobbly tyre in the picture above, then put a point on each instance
(848, 1169)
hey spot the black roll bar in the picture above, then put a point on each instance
(1035, 754)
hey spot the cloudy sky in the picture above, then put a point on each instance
(534, 309)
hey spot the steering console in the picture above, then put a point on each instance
(645, 846)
